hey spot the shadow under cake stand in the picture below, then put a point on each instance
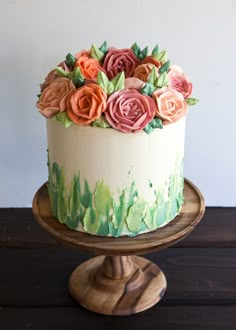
(117, 282)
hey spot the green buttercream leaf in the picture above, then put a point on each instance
(78, 82)
(96, 53)
(86, 198)
(153, 76)
(77, 73)
(136, 213)
(136, 49)
(155, 123)
(63, 118)
(118, 81)
(191, 101)
(162, 56)
(39, 95)
(101, 122)
(147, 89)
(56, 171)
(143, 53)
(162, 80)
(70, 60)
(155, 51)
(165, 67)
(60, 72)
(104, 48)
(110, 88)
(103, 81)
(103, 198)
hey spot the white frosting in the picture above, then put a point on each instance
(117, 158)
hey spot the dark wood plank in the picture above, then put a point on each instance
(18, 228)
(39, 277)
(158, 317)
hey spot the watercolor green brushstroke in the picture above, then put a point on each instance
(97, 212)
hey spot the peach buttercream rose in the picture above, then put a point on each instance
(54, 97)
(179, 81)
(129, 111)
(143, 71)
(53, 75)
(118, 60)
(86, 104)
(171, 105)
(89, 66)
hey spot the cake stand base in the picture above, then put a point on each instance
(118, 282)
(117, 285)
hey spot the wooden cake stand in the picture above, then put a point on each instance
(118, 282)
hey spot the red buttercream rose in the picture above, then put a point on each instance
(171, 105)
(118, 60)
(129, 111)
(179, 81)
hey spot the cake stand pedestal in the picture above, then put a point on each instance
(118, 282)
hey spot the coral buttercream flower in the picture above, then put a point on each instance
(54, 97)
(151, 60)
(171, 105)
(53, 75)
(118, 60)
(179, 81)
(129, 111)
(143, 71)
(89, 66)
(86, 104)
(134, 83)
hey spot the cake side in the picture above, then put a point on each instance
(111, 184)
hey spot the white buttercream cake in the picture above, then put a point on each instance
(115, 128)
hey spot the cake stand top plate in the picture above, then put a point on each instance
(191, 213)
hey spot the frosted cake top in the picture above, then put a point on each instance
(124, 89)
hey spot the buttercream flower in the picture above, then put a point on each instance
(53, 75)
(129, 111)
(89, 66)
(171, 105)
(86, 104)
(54, 97)
(118, 60)
(134, 83)
(143, 71)
(151, 60)
(179, 81)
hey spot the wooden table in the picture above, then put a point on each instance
(200, 270)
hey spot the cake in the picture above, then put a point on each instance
(115, 129)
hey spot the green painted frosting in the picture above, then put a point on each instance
(99, 213)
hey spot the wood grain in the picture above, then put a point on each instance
(39, 277)
(158, 317)
(139, 290)
(191, 213)
(18, 229)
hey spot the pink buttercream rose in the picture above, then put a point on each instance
(179, 81)
(171, 105)
(134, 83)
(129, 111)
(54, 97)
(118, 60)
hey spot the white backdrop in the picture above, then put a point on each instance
(199, 35)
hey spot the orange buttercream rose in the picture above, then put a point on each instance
(86, 104)
(54, 97)
(151, 60)
(171, 105)
(143, 71)
(89, 66)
